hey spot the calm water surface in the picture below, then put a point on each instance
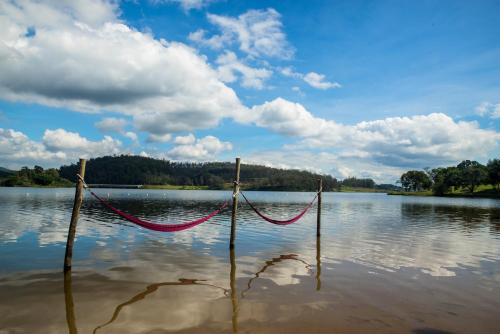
(384, 264)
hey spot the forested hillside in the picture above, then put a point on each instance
(126, 169)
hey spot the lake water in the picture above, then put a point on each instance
(384, 264)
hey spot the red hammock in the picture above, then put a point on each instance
(280, 222)
(159, 227)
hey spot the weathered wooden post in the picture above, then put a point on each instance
(318, 220)
(234, 292)
(236, 189)
(74, 217)
(318, 263)
(68, 301)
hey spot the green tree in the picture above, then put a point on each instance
(415, 180)
(472, 174)
(443, 179)
(493, 168)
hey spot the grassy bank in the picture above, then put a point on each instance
(174, 187)
(345, 189)
(482, 191)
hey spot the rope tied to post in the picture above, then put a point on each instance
(280, 222)
(155, 226)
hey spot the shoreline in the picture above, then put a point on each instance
(480, 194)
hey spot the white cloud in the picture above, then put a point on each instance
(229, 65)
(99, 63)
(152, 138)
(132, 136)
(257, 32)
(202, 149)
(214, 42)
(487, 109)
(317, 80)
(313, 79)
(187, 5)
(57, 146)
(117, 125)
(60, 140)
(289, 72)
(112, 124)
(95, 62)
(417, 141)
(185, 140)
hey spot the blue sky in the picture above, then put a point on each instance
(348, 88)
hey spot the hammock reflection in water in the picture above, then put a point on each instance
(231, 292)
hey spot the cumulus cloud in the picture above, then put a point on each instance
(187, 5)
(185, 140)
(313, 79)
(257, 32)
(230, 65)
(418, 141)
(317, 80)
(117, 125)
(111, 124)
(57, 146)
(213, 42)
(132, 136)
(152, 138)
(487, 109)
(205, 148)
(322, 162)
(96, 63)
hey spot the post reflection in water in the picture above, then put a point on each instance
(231, 292)
(272, 263)
(318, 263)
(152, 288)
(234, 292)
(68, 299)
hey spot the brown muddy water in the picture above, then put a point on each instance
(384, 264)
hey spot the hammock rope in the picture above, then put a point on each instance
(150, 225)
(159, 227)
(196, 222)
(280, 222)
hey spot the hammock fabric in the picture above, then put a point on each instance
(159, 227)
(280, 222)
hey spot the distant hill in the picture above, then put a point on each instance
(4, 172)
(128, 169)
(36, 177)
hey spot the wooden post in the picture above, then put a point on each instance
(74, 217)
(318, 220)
(318, 263)
(70, 306)
(236, 189)
(234, 292)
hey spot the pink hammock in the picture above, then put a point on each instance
(280, 222)
(159, 227)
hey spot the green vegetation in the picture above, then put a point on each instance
(468, 178)
(35, 177)
(163, 174)
(174, 187)
(4, 172)
(361, 190)
(352, 182)
(126, 169)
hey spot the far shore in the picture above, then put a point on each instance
(490, 193)
(487, 193)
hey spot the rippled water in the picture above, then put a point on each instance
(384, 264)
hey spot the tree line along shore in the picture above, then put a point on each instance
(467, 179)
(163, 174)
